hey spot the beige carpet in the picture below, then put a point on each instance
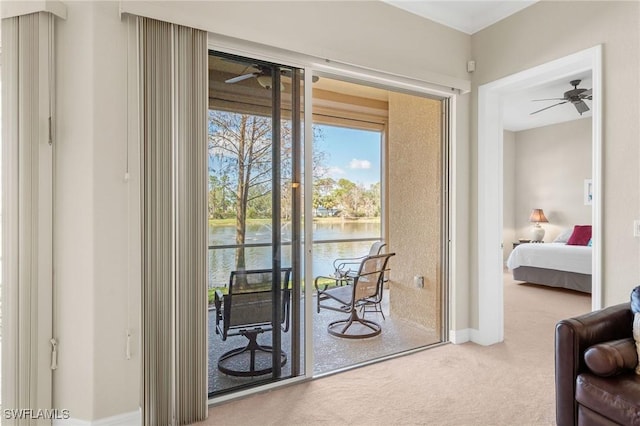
(510, 383)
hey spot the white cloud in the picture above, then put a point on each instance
(334, 171)
(359, 164)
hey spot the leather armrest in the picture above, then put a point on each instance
(573, 337)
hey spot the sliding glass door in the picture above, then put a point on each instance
(255, 143)
(378, 175)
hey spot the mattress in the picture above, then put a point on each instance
(556, 256)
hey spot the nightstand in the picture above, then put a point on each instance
(517, 243)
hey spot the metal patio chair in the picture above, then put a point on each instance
(363, 288)
(247, 310)
(349, 265)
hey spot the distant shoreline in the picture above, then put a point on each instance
(231, 222)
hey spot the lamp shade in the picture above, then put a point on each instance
(537, 216)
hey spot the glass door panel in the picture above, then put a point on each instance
(254, 242)
(381, 178)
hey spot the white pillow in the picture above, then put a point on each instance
(564, 236)
(636, 337)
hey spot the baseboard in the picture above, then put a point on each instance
(133, 418)
(459, 336)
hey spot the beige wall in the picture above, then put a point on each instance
(97, 268)
(96, 249)
(366, 33)
(552, 163)
(415, 207)
(92, 276)
(540, 34)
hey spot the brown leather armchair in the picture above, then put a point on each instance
(586, 398)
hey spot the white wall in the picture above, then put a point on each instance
(552, 163)
(96, 224)
(540, 34)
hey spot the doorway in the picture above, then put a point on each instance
(412, 197)
(490, 186)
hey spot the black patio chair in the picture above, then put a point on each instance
(247, 310)
(363, 288)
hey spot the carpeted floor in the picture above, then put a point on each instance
(510, 383)
(330, 353)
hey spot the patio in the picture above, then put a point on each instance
(330, 353)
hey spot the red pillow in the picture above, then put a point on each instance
(581, 235)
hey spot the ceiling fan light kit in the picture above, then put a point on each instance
(575, 96)
(266, 82)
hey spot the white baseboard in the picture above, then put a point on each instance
(483, 338)
(459, 336)
(133, 418)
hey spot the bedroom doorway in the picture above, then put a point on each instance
(490, 182)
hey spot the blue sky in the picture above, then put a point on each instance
(351, 154)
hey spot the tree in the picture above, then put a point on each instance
(240, 149)
(240, 161)
(323, 194)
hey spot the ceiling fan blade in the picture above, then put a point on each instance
(551, 99)
(241, 77)
(535, 112)
(581, 107)
(586, 93)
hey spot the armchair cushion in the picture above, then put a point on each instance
(611, 358)
(615, 398)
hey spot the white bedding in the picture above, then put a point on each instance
(558, 256)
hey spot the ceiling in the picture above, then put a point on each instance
(465, 16)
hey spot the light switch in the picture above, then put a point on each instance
(636, 228)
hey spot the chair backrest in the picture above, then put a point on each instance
(368, 283)
(249, 302)
(376, 248)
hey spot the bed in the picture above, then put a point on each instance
(552, 264)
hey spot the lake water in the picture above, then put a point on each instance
(222, 261)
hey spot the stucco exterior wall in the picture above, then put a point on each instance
(415, 208)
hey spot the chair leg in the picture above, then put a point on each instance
(339, 328)
(377, 307)
(251, 347)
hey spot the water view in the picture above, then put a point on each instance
(222, 260)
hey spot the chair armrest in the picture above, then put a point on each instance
(339, 263)
(286, 308)
(573, 337)
(217, 300)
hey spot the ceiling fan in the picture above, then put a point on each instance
(263, 75)
(575, 96)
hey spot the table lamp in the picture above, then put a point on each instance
(537, 232)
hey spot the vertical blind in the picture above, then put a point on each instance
(27, 153)
(173, 119)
